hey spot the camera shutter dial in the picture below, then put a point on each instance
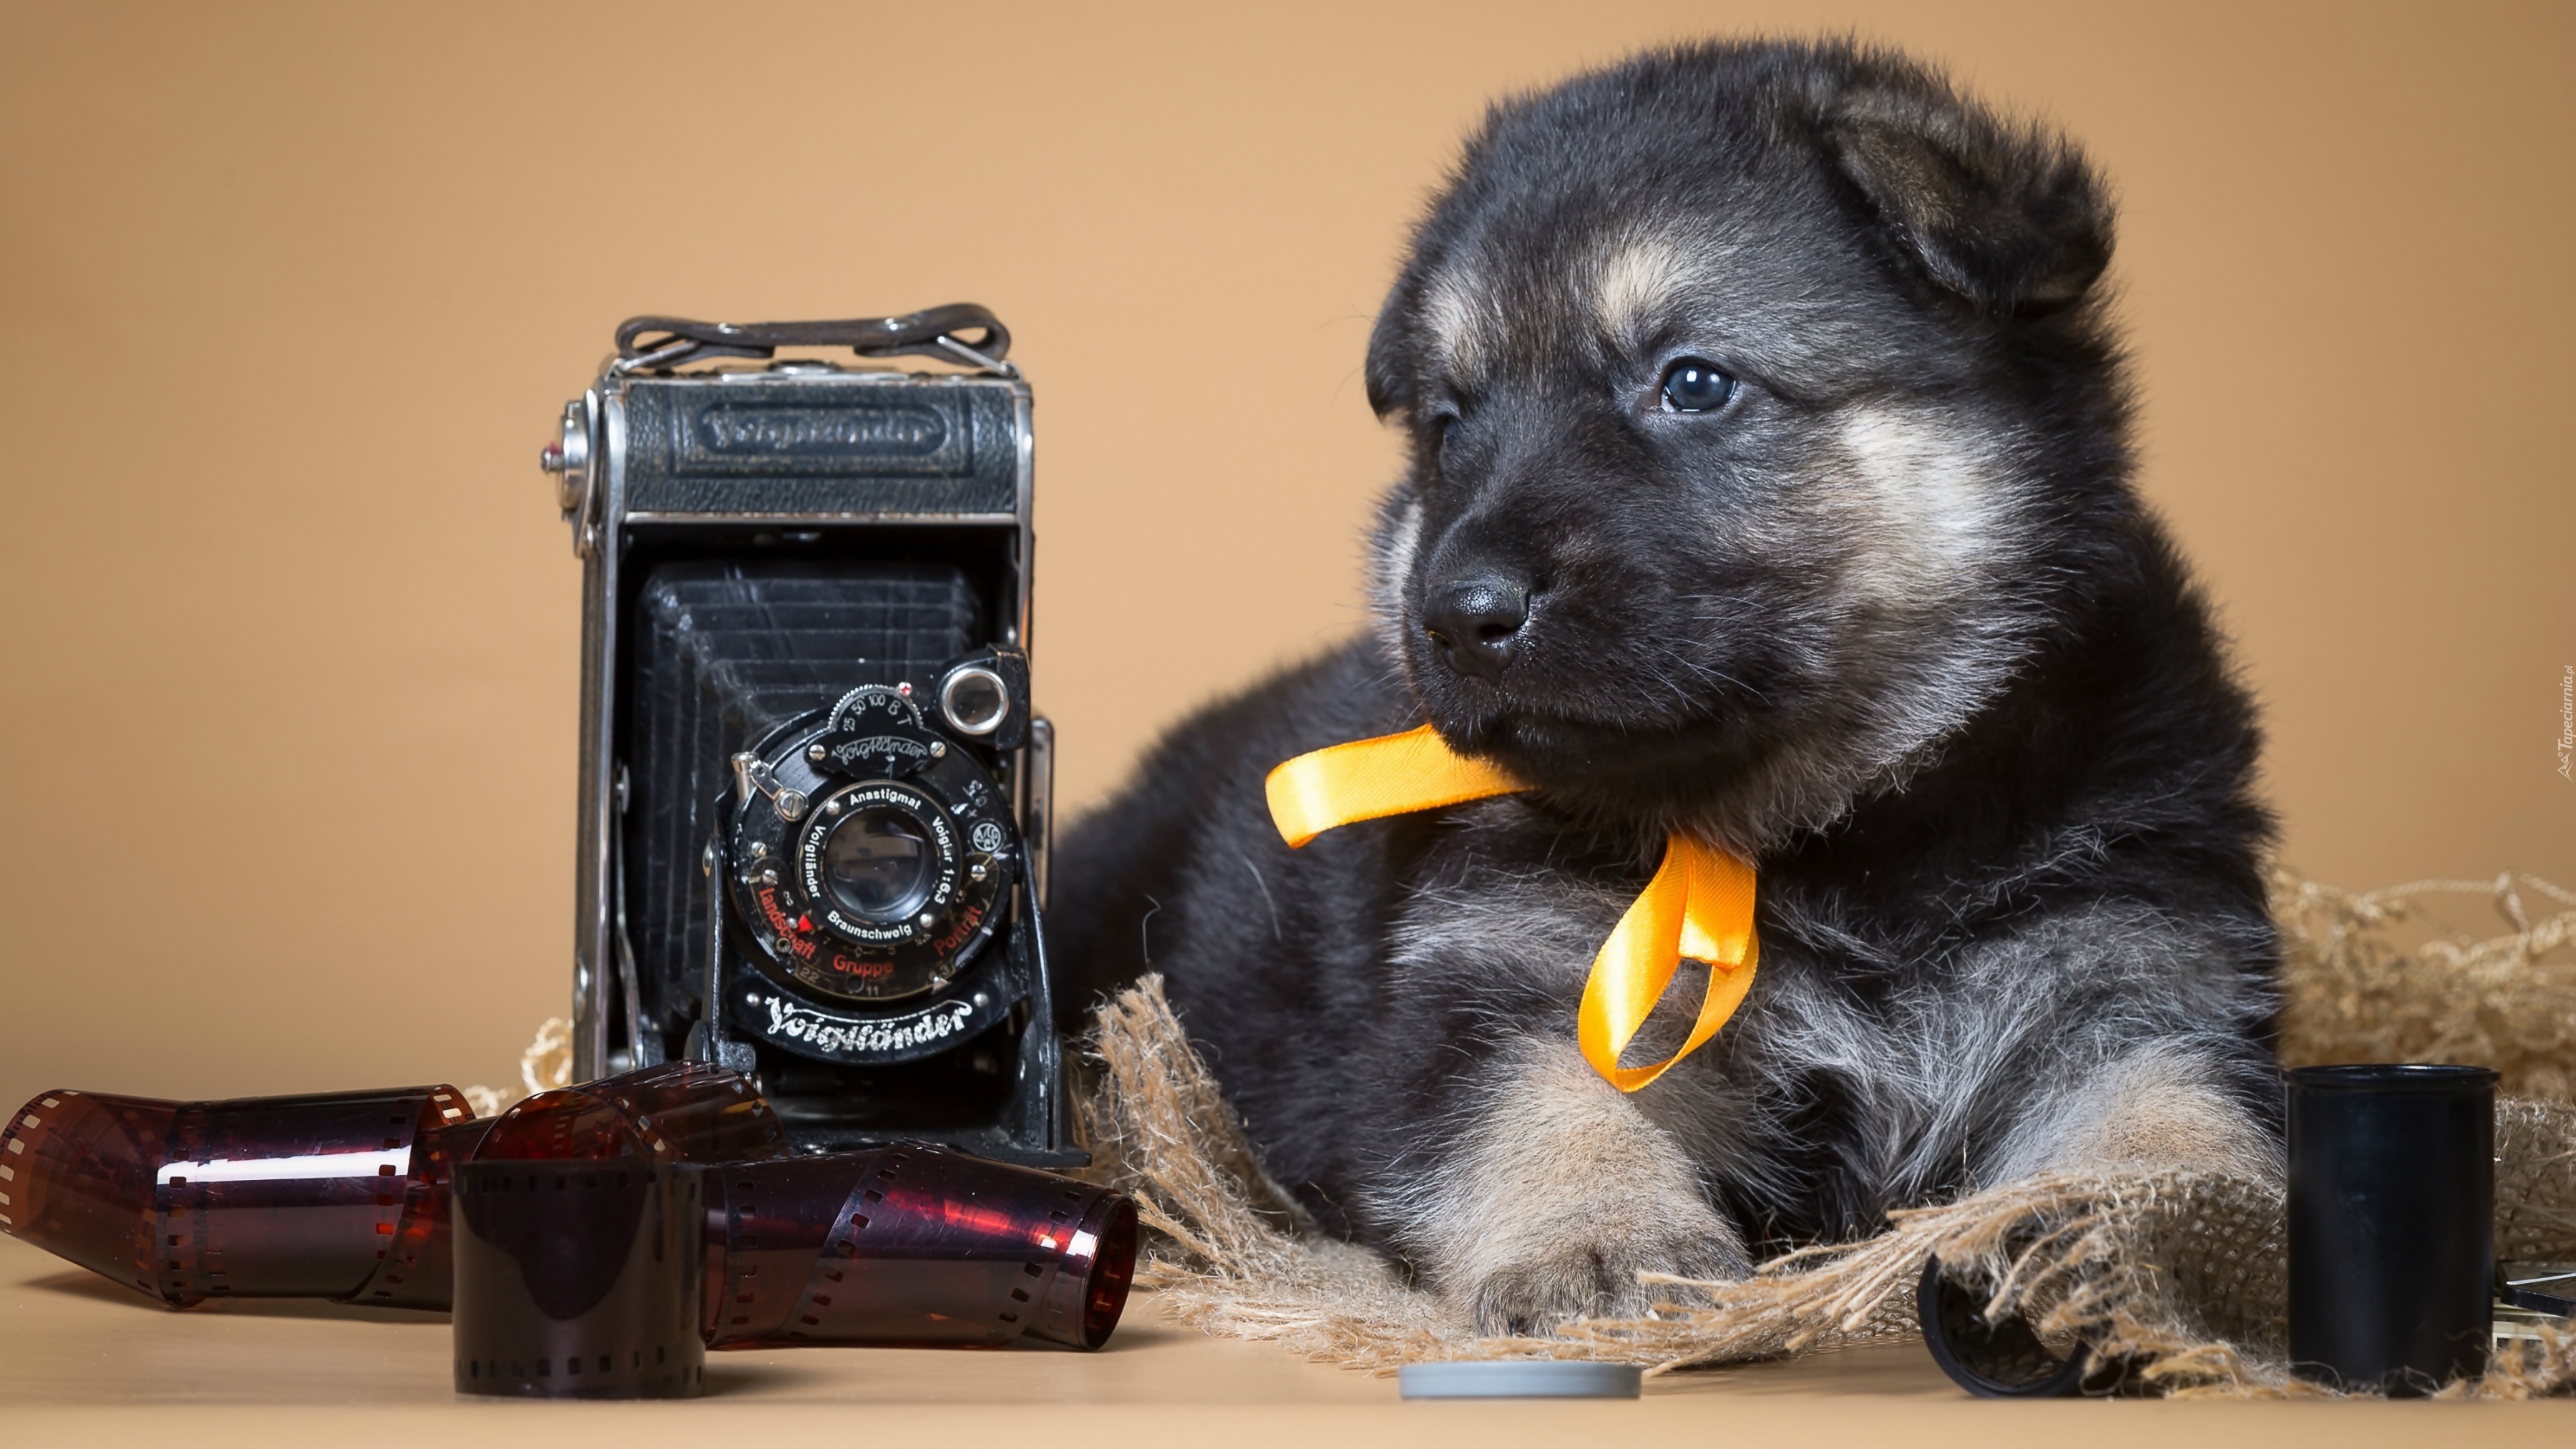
(871, 856)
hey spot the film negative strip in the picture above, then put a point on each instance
(334, 1195)
(416, 1269)
(913, 1244)
(614, 1231)
(256, 1197)
(678, 1112)
(76, 1179)
(288, 1197)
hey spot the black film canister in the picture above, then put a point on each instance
(2391, 1224)
(2002, 1360)
(579, 1279)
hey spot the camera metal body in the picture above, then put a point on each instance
(814, 800)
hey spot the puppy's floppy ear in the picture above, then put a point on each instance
(2010, 218)
(1390, 350)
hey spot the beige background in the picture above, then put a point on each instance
(291, 295)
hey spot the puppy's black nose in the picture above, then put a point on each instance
(1476, 622)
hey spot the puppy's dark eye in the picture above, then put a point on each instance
(1696, 386)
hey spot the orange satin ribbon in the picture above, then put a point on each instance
(1699, 905)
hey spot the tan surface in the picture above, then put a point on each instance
(83, 1361)
(292, 294)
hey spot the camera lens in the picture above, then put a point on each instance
(877, 863)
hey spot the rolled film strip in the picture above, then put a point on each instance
(679, 1111)
(676, 1112)
(76, 1180)
(289, 1197)
(353, 1196)
(916, 1245)
(333, 1195)
(416, 1271)
(251, 1197)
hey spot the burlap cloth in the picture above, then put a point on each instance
(2183, 1272)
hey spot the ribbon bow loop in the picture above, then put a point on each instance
(1698, 907)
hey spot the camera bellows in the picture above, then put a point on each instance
(579, 1279)
(724, 653)
(265, 1197)
(913, 1245)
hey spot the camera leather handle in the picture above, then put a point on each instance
(958, 332)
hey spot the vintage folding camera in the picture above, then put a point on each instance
(814, 801)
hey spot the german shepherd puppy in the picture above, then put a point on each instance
(1770, 482)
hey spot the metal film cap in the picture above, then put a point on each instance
(1521, 1378)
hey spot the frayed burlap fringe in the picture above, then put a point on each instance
(2180, 1273)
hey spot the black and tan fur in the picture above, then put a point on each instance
(1890, 621)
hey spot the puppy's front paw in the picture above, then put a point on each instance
(1589, 1270)
(1558, 1193)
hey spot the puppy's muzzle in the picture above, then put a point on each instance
(1476, 623)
